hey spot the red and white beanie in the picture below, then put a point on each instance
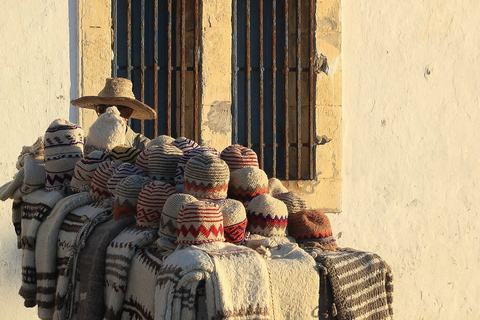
(122, 171)
(167, 228)
(85, 169)
(238, 157)
(179, 172)
(126, 195)
(267, 216)
(206, 177)
(151, 200)
(312, 226)
(162, 162)
(234, 220)
(247, 183)
(199, 222)
(98, 187)
(142, 159)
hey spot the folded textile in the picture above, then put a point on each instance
(361, 282)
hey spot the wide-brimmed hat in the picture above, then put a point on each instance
(117, 92)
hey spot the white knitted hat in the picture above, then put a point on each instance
(247, 183)
(267, 216)
(107, 131)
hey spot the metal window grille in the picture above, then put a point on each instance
(273, 82)
(156, 45)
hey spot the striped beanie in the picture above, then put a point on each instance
(107, 131)
(151, 200)
(185, 144)
(84, 170)
(206, 176)
(247, 183)
(124, 153)
(275, 186)
(199, 222)
(238, 157)
(98, 186)
(183, 162)
(267, 216)
(142, 159)
(162, 162)
(122, 171)
(168, 219)
(312, 226)
(293, 201)
(162, 139)
(63, 147)
(126, 195)
(234, 220)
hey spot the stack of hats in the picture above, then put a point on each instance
(206, 176)
(168, 219)
(107, 132)
(124, 153)
(126, 195)
(63, 147)
(238, 157)
(162, 162)
(122, 171)
(234, 220)
(185, 144)
(312, 228)
(151, 200)
(247, 183)
(85, 169)
(199, 222)
(183, 162)
(267, 216)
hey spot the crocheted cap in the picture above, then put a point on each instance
(185, 144)
(168, 219)
(151, 200)
(275, 186)
(247, 183)
(122, 171)
(63, 147)
(206, 176)
(267, 216)
(312, 225)
(107, 131)
(238, 157)
(187, 155)
(162, 162)
(293, 201)
(84, 170)
(162, 139)
(126, 195)
(98, 186)
(124, 153)
(234, 220)
(199, 222)
(142, 159)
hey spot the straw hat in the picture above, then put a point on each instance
(117, 92)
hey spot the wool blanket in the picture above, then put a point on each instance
(361, 282)
(36, 207)
(118, 259)
(139, 302)
(46, 251)
(236, 283)
(89, 296)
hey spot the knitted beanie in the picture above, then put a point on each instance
(234, 220)
(168, 219)
(162, 162)
(312, 226)
(151, 200)
(124, 153)
(199, 222)
(185, 144)
(122, 171)
(247, 183)
(293, 201)
(275, 186)
(162, 139)
(206, 176)
(107, 131)
(238, 157)
(63, 143)
(183, 162)
(142, 159)
(85, 169)
(267, 216)
(126, 195)
(98, 186)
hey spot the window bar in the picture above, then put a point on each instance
(115, 37)
(142, 61)
(249, 68)
(196, 67)
(311, 79)
(155, 71)
(285, 90)
(169, 70)
(260, 106)
(182, 71)
(299, 89)
(274, 82)
(235, 71)
(129, 40)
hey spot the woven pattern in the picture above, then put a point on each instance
(122, 171)
(238, 157)
(199, 222)
(168, 219)
(185, 144)
(206, 176)
(126, 196)
(179, 172)
(150, 202)
(293, 201)
(162, 162)
(124, 153)
(98, 186)
(267, 216)
(247, 183)
(85, 169)
(312, 225)
(234, 220)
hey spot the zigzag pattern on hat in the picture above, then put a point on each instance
(167, 226)
(123, 209)
(245, 196)
(52, 177)
(264, 221)
(205, 190)
(99, 193)
(151, 200)
(187, 155)
(197, 233)
(235, 233)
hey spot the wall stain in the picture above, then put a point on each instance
(219, 117)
